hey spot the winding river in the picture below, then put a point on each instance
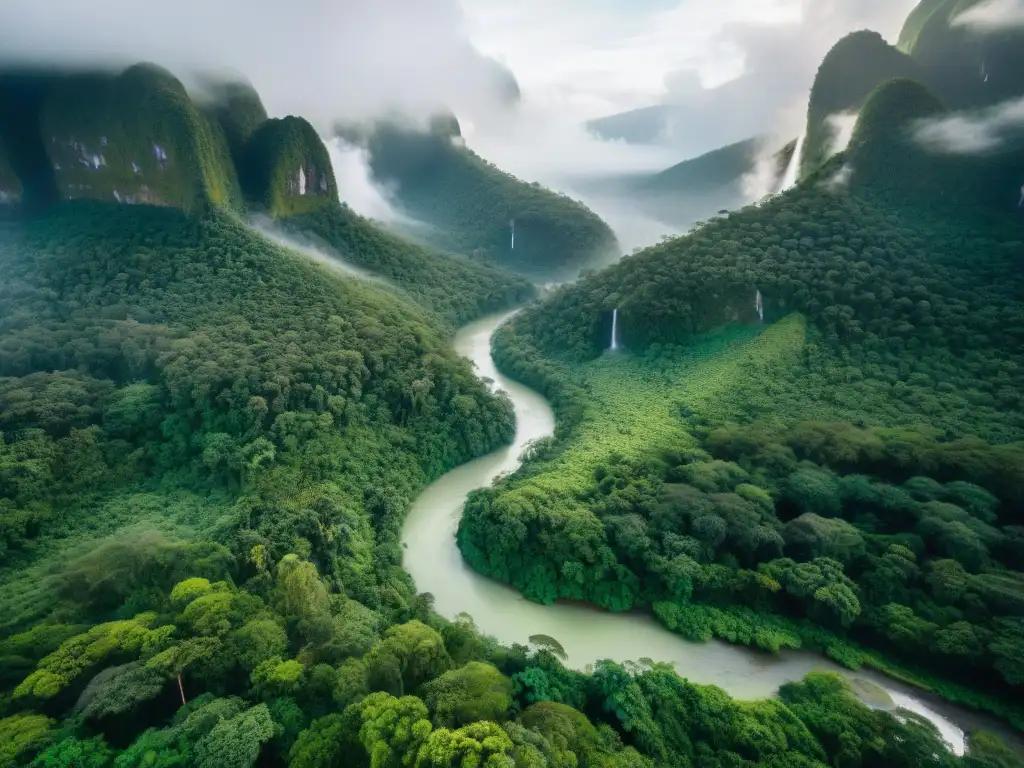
(437, 567)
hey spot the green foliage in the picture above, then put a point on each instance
(455, 287)
(235, 742)
(75, 753)
(82, 652)
(20, 735)
(470, 203)
(478, 744)
(410, 655)
(793, 527)
(135, 137)
(240, 398)
(202, 488)
(477, 691)
(321, 745)
(393, 729)
(237, 107)
(286, 170)
(117, 690)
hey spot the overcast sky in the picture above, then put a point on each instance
(574, 59)
(603, 56)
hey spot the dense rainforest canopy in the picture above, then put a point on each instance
(208, 444)
(815, 421)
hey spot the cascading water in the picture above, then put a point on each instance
(759, 306)
(615, 330)
(793, 169)
(513, 225)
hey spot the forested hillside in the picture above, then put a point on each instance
(201, 491)
(138, 138)
(812, 436)
(812, 478)
(457, 288)
(237, 107)
(162, 424)
(855, 66)
(286, 170)
(889, 163)
(472, 205)
(969, 66)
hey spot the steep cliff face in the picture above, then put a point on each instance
(134, 138)
(855, 66)
(238, 109)
(286, 170)
(970, 66)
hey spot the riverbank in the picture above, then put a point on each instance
(587, 636)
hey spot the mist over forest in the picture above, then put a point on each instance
(462, 383)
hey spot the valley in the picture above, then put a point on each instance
(283, 485)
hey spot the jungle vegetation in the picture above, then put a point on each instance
(471, 204)
(208, 445)
(201, 493)
(885, 380)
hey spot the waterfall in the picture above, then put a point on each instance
(615, 330)
(759, 306)
(512, 224)
(793, 169)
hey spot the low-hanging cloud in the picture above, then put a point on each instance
(993, 15)
(322, 60)
(840, 179)
(356, 185)
(763, 178)
(778, 57)
(973, 133)
(841, 126)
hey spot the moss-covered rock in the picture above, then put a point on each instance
(239, 110)
(855, 66)
(135, 137)
(287, 170)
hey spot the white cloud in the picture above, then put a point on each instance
(841, 125)
(323, 60)
(605, 56)
(972, 133)
(840, 179)
(356, 186)
(993, 15)
(601, 56)
(763, 178)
